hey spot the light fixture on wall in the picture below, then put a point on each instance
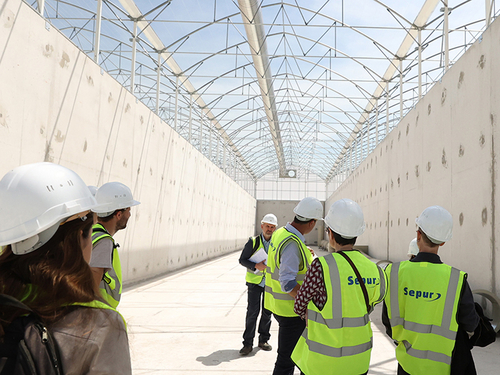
(289, 173)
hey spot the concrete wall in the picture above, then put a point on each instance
(443, 152)
(57, 105)
(284, 212)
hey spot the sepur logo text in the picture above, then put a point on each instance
(429, 296)
(369, 281)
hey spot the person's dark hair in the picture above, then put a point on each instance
(297, 221)
(52, 277)
(109, 217)
(343, 241)
(426, 239)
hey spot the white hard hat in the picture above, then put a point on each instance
(270, 219)
(413, 248)
(345, 218)
(436, 223)
(35, 199)
(113, 196)
(309, 208)
(93, 189)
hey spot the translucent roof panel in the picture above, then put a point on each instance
(266, 86)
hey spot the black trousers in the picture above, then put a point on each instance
(290, 330)
(255, 301)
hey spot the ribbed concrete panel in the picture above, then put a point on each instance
(57, 105)
(443, 152)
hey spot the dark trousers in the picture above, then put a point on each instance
(290, 330)
(255, 301)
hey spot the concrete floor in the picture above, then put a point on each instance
(191, 322)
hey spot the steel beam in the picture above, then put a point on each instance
(252, 19)
(97, 36)
(420, 22)
(150, 34)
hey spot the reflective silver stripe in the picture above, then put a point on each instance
(336, 289)
(395, 318)
(450, 299)
(280, 296)
(282, 244)
(338, 322)
(429, 328)
(427, 354)
(274, 275)
(336, 352)
(383, 285)
(444, 329)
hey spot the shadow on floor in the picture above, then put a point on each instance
(226, 355)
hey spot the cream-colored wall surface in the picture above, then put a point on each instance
(284, 212)
(442, 153)
(56, 105)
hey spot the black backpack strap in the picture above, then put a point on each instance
(360, 279)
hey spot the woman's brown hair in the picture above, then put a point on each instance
(52, 277)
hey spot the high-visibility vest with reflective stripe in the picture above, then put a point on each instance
(111, 283)
(251, 277)
(338, 339)
(275, 300)
(422, 305)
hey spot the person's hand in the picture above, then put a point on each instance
(261, 266)
(312, 251)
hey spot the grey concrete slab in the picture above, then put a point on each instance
(192, 321)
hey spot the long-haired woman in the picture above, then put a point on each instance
(45, 230)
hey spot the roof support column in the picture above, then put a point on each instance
(176, 102)
(41, 6)
(367, 137)
(190, 118)
(201, 132)
(158, 82)
(387, 109)
(210, 144)
(488, 12)
(446, 37)
(224, 159)
(400, 89)
(419, 63)
(217, 152)
(134, 50)
(97, 36)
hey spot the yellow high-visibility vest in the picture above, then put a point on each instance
(275, 300)
(111, 283)
(251, 277)
(422, 305)
(338, 338)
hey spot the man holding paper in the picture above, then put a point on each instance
(254, 257)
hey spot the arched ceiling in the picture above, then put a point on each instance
(278, 84)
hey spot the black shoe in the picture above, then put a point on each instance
(265, 346)
(247, 349)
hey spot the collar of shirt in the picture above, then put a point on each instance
(264, 242)
(427, 257)
(289, 227)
